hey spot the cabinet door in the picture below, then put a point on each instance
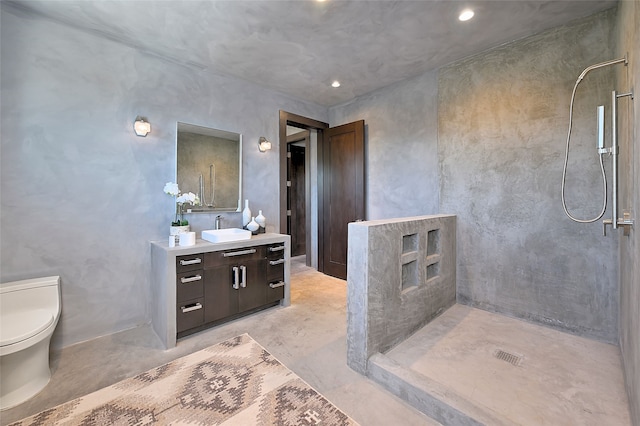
(220, 298)
(254, 293)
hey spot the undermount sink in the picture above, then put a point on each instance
(226, 235)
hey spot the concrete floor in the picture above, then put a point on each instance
(309, 337)
(559, 379)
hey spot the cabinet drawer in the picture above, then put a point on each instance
(189, 314)
(227, 257)
(189, 263)
(275, 269)
(275, 290)
(189, 285)
(275, 251)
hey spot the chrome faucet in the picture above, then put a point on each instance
(218, 218)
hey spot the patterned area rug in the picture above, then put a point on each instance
(236, 382)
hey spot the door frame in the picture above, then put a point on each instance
(287, 118)
(293, 140)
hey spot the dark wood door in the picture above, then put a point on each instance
(297, 223)
(342, 193)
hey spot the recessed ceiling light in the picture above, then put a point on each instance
(466, 14)
(335, 84)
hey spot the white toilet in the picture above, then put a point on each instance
(29, 312)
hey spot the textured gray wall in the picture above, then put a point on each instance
(81, 194)
(503, 118)
(628, 32)
(400, 147)
(401, 274)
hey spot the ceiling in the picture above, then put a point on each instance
(300, 47)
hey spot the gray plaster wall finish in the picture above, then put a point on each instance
(502, 126)
(628, 34)
(401, 143)
(401, 274)
(81, 195)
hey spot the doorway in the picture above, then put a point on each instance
(333, 189)
(298, 144)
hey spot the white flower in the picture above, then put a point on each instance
(189, 197)
(171, 189)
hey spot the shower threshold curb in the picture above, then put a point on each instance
(428, 396)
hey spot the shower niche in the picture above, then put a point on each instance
(411, 277)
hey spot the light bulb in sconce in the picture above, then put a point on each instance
(263, 144)
(141, 126)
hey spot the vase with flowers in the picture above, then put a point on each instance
(180, 224)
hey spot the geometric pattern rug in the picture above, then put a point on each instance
(236, 382)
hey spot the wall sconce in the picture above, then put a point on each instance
(263, 144)
(141, 126)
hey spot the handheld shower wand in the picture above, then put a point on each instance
(601, 148)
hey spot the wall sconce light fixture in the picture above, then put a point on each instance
(141, 126)
(263, 144)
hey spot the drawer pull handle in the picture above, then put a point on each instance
(238, 253)
(236, 278)
(185, 280)
(190, 308)
(276, 285)
(278, 248)
(276, 262)
(190, 262)
(243, 283)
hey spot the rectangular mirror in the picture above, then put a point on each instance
(209, 164)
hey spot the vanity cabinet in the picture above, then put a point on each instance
(200, 286)
(235, 281)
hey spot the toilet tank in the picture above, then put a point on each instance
(37, 293)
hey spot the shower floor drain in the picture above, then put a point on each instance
(508, 357)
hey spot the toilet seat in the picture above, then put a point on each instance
(19, 326)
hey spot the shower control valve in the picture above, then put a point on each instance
(625, 222)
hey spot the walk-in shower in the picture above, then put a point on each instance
(615, 221)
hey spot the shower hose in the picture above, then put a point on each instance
(566, 160)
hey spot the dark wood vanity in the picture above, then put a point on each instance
(207, 284)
